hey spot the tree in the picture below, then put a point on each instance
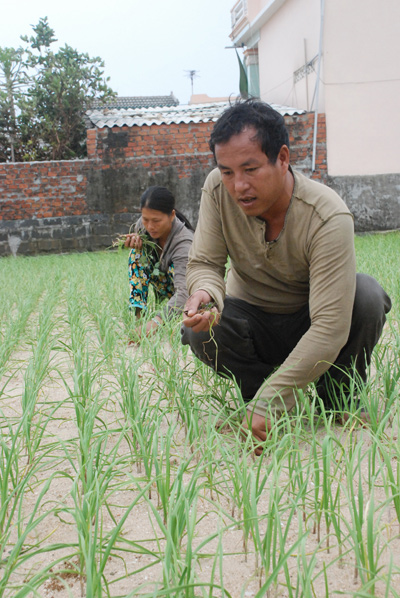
(13, 79)
(61, 86)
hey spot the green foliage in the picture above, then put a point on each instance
(13, 78)
(44, 36)
(44, 96)
(243, 80)
(125, 470)
(150, 250)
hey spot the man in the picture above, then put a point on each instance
(293, 310)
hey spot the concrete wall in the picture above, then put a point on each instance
(83, 204)
(373, 200)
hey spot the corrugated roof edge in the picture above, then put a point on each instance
(139, 117)
(133, 102)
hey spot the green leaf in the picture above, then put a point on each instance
(243, 81)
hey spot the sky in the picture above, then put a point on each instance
(148, 46)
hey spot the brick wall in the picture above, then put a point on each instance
(301, 132)
(43, 189)
(83, 204)
(154, 147)
(185, 146)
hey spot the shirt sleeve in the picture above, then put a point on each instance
(180, 259)
(208, 254)
(332, 291)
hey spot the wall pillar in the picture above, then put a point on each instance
(253, 77)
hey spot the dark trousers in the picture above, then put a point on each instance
(250, 344)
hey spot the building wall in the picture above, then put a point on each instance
(84, 204)
(297, 23)
(359, 87)
(286, 41)
(362, 86)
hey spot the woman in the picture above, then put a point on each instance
(159, 255)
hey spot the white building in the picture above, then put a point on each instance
(341, 57)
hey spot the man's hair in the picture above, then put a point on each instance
(269, 124)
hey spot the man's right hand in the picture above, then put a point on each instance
(260, 428)
(196, 317)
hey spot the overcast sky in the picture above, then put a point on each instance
(147, 45)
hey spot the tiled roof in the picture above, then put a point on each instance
(120, 102)
(157, 116)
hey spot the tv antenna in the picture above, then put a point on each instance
(191, 75)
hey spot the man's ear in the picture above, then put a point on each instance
(284, 158)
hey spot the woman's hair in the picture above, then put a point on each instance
(162, 200)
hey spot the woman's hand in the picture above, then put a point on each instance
(150, 329)
(134, 241)
(196, 316)
(152, 325)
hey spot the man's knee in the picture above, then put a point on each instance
(197, 341)
(371, 301)
(185, 335)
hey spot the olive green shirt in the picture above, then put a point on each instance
(312, 261)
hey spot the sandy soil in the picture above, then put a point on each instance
(222, 557)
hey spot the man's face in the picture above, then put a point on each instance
(256, 185)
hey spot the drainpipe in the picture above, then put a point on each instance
(321, 30)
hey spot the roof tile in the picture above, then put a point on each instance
(131, 117)
(120, 102)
